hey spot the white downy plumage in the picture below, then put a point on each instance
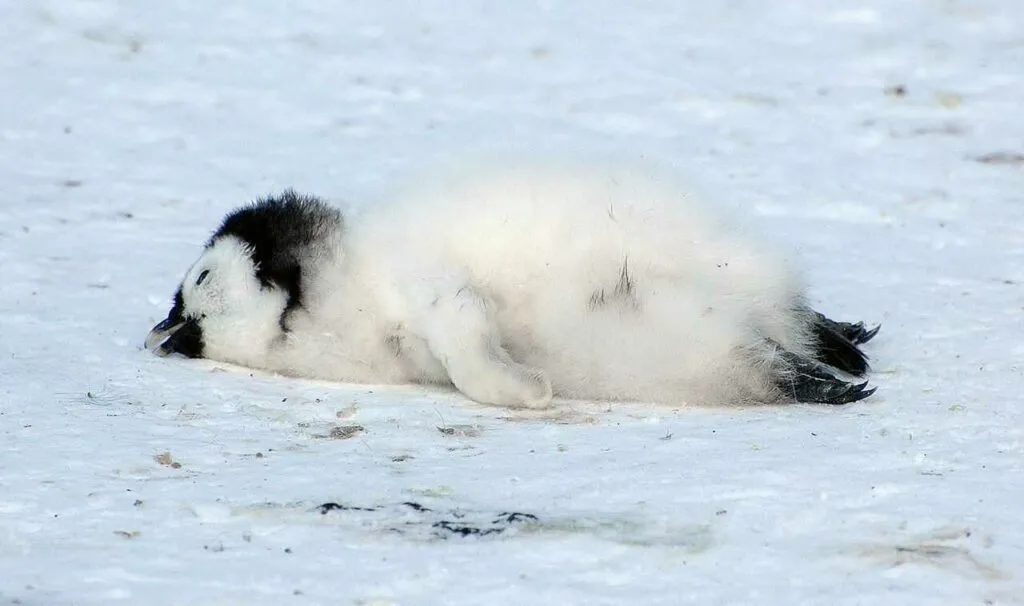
(515, 284)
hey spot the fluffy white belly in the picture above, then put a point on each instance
(616, 284)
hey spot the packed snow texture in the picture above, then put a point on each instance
(880, 143)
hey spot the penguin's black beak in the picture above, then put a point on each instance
(176, 335)
(161, 334)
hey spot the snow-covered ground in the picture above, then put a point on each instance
(881, 142)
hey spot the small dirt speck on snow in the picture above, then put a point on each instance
(466, 431)
(342, 432)
(165, 459)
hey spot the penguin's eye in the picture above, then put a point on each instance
(202, 276)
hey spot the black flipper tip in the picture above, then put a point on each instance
(838, 344)
(852, 393)
(802, 379)
(858, 333)
(867, 335)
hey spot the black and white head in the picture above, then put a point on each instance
(234, 301)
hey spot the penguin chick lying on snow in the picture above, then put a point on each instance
(513, 286)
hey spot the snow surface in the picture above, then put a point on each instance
(880, 141)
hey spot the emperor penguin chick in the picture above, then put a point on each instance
(515, 285)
